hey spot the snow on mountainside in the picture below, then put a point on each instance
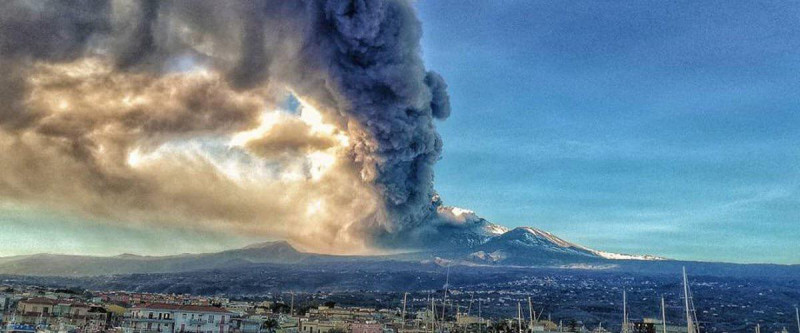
(623, 256)
(545, 236)
(461, 228)
(458, 235)
(496, 243)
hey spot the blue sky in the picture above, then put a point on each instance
(663, 127)
(658, 127)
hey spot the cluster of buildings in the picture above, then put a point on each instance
(29, 309)
(25, 309)
(24, 314)
(34, 309)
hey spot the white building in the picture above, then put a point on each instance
(202, 319)
(178, 318)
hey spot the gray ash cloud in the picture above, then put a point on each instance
(359, 62)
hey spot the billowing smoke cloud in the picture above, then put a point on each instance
(175, 112)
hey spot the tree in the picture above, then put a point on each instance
(269, 325)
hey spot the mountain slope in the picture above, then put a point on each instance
(455, 235)
(457, 228)
(462, 231)
(72, 265)
(530, 246)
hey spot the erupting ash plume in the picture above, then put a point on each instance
(183, 113)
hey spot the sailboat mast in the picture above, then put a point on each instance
(530, 309)
(689, 323)
(446, 287)
(471, 300)
(624, 312)
(433, 314)
(797, 315)
(480, 318)
(663, 316)
(519, 316)
(405, 297)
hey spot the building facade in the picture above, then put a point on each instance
(178, 318)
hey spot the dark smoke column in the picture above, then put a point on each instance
(360, 59)
(370, 52)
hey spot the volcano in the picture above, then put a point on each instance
(463, 235)
(458, 236)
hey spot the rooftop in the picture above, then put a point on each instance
(179, 307)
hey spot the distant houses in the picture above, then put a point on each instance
(61, 313)
(30, 309)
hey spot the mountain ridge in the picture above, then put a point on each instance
(459, 235)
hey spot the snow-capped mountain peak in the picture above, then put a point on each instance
(541, 235)
(459, 230)
(538, 237)
(493, 242)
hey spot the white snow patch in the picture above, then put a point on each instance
(623, 256)
(538, 234)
